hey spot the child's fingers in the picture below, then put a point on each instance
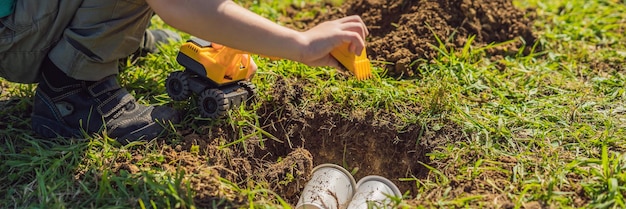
(357, 44)
(354, 27)
(355, 19)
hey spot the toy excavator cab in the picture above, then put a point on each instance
(218, 63)
(216, 73)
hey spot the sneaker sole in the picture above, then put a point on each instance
(51, 129)
(145, 133)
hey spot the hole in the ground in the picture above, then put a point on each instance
(299, 136)
(365, 143)
(361, 147)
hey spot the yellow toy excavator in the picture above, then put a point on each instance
(217, 74)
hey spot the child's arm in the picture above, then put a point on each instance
(225, 22)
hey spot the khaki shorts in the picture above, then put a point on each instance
(84, 38)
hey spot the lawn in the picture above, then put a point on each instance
(542, 125)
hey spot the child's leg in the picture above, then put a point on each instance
(27, 35)
(79, 92)
(101, 33)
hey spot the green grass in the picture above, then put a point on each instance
(550, 128)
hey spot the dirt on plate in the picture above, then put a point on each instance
(299, 135)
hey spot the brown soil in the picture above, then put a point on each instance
(403, 32)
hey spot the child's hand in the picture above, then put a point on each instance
(225, 22)
(323, 38)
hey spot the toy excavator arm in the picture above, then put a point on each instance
(234, 60)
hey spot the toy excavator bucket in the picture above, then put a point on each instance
(358, 65)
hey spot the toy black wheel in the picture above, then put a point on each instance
(213, 104)
(251, 89)
(177, 86)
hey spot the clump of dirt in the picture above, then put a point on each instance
(288, 175)
(404, 32)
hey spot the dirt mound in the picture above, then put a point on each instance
(403, 32)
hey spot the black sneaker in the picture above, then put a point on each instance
(102, 106)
